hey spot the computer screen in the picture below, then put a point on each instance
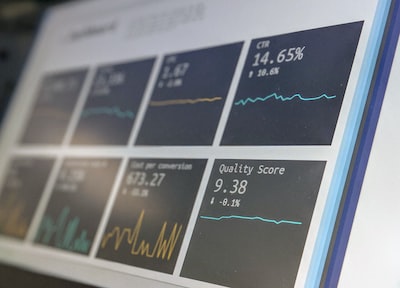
(374, 237)
(185, 143)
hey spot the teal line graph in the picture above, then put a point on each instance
(109, 111)
(275, 96)
(64, 232)
(277, 222)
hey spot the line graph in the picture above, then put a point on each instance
(163, 247)
(184, 101)
(282, 98)
(63, 233)
(256, 218)
(109, 111)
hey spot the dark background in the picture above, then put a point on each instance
(324, 69)
(171, 202)
(243, 253)
(16, 277)
(22, 189)
(107, 129)
(86, 203)
(55, 102)
(19, 21)
(209, 75)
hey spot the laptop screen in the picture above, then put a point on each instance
(185, 143)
